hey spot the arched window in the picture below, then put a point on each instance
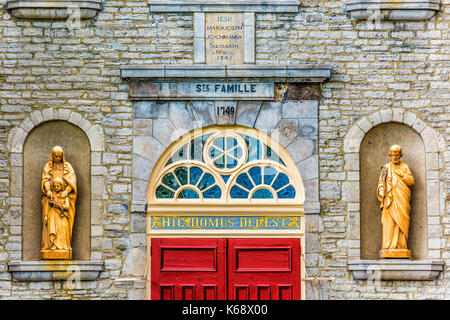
(225, 165)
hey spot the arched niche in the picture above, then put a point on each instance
(373, 155)
(36, 153)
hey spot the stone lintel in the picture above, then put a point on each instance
(276, 73)
(396, 269)
(263, 6)
(392, 9)
(53, 9)
(48, 270)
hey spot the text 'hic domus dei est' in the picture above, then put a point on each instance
(203, 150)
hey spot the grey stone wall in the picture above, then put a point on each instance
(46, 67)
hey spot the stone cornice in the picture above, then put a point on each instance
(278, 73)
(392, 9)
(267, 6)
(53, 9)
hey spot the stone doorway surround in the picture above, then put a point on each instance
(434, 145)
(286, 107)
(47, 270)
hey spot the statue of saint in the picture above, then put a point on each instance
(394, 194)
(59, 185)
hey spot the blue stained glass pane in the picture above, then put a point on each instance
(214, 152)
(182, 175)
(225, 177)
(238, 193)
(207, 180)
(280, 181)
(231, 142)
(220, 162)
(245, 181)
(163, 192)
(231, 162)
(197, 149)
(188, 194)
(262, 194)
(255, 173)
(287, 193)
(254, 149)
(237, 153)
(170, 181)
(220, 142)
(181, 154)
(195, 174)
(212, 193)
(271, 155)
(269, 175)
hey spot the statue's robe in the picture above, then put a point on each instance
(395, 205)
(58, 224)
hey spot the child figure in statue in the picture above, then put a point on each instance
(57, 218)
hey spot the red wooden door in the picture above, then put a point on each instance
(188, 269)
(264, 269)
(219, 269)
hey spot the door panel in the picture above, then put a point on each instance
(264, 269)
(218, 269)
(188, 269)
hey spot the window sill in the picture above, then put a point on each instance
(49, 270)
(53, 9)
(396, 269)
(414, 10)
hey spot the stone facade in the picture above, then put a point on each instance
(396, 73)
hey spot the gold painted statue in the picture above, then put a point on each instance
(59, 185)
(394, 194)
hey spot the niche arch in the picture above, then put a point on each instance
(433, 144)
(16, 146)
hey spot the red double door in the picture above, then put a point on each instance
(225, 269)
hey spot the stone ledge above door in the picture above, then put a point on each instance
(263, 6)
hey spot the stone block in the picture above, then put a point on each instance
(429, 140)
(74, 118)
(164, 131)
(204, 113)
(286, 131)
(143, 127)
(151, 110)
(139, 190)
(36, 117)
(247, 112)
(351, 161)
(353, 140)
(311, 189)
(17, 141)
(269, 116)
(148, 148)
(225, 113)
(309, 168)
(301, 109)
(302, 148)
(142, 168)
(181, 116)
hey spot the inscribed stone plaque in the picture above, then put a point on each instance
(224, 38)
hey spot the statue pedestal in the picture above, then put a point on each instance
(56, 255)
(395, 253)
